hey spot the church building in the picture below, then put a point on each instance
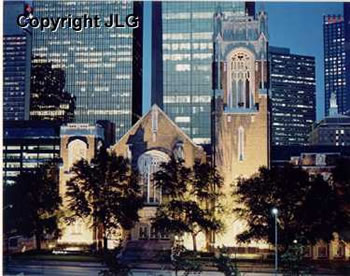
(240, 129)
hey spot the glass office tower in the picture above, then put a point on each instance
(103, 66)
(336, 38)
(292, 96)
(27, 145)
(334, 61)
(186, 65)
(16, 54)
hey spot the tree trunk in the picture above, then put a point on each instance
(194, 242)
(38, 241)
(105, 243)
(105, 240)
(208, 240)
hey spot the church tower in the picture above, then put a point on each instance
(240, 116)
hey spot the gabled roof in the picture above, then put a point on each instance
(145, 116)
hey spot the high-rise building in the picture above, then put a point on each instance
(336, 36)
(292, 96)
(28, 144)
(48, 99)
(346, 11)
(16, 62)
(334, 130)
(103, 66)
(186, 47)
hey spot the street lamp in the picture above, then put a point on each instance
(275, 213)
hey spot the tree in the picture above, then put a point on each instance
(293, 261)
(207, 184)
(225, 264)
(187, 207)
(49, 100)
(185, 260)
(340, 180)
(34, 201)
(107, 190)
(307, 206)
(115, 266)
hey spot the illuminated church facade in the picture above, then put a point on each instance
(241, 117)
(240, 129)
(240, 134)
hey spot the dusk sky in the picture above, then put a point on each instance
(298, 26)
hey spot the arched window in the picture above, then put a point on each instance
(149, 163)
(179, 151)
(240, 79)
(77, 150)
(240, 143)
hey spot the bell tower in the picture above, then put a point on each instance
(240, 93)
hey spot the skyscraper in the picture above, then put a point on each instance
(332, 130)
(292, 96)
(103, 66)
(16, 51)
(27, 145)
(336, 36)
(187, 54)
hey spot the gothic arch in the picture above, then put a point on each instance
(77, 150)
(240, 78)
(149, 163)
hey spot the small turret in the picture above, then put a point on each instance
(217, 23)
(262, 17)
(333, 106)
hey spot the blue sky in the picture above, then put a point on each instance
(297, 26)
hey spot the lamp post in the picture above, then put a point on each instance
(275, 213)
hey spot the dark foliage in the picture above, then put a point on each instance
(35, 202)
(115, 267)
(308, 206)
(293, 262)
(107, 190)
(184, 260)
(225, 264)
(189, 199)
(49, 100)
(341, 183)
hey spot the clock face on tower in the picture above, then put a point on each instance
(77, 150)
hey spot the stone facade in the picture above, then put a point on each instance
(241, 141)
(151, 141)
(78, 141)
